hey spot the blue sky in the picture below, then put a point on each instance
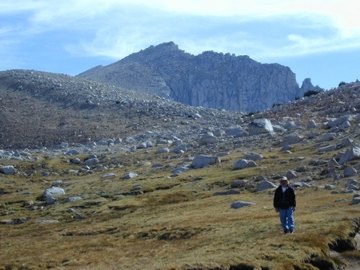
(319, 39)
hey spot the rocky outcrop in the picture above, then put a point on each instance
(215, 80)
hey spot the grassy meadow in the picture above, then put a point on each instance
(177, 223)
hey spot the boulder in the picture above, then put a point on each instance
(8, 170)
(227, 192)
(352, 184)
(311, 124)
(339, 121)
(292, 139)
(350, 171)
(91, 162)
(51, 195)
(76, 161)
(180, 149)
(219, 133)
(350, 154)
(108, 175)
(260, 126)
(72, 152)
(236, 132)
(264, 185)
(208, 138)
(73, 199)
(253, 156)
(163, 150)
(347, 142)
(327, 148)
(356, 199)
(244, 163)
(57, 183)
(202, 161)
(237, 183)
(179, 170)
(240, 204)
(327, 137)
(291, 174)
(129, 175)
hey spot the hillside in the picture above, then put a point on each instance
(213, 80)
(45, 109)
(178, 187)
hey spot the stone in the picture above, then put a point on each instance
(264, 185)
(339, 121)
(350, 171)
(240, 204)
(236, 132)
(346, 142)
(353, 182)
(8, 170)
(330, 187)
(327, 137)
(328, 148)
(91, 162)
(57, 183)
(180, 149)
(142, 145)
(208, 138)
(237, 183)
(129, 175)
(351, 154)
(74, 199)
(291, 174)
(163, 150)
(244, 163)
(202, 161)
(311, 124)
(253, 156)
(356, 199)
(51, 195)
(179, 171)
(219, 133)
(75, 161)
(292, 138)
(227, 192)
(108, 175)
(136, 190)
(260, 126)
(72, 152)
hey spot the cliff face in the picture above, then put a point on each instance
(215, 80)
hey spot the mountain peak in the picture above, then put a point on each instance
(210, 79)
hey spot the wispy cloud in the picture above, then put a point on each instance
(115, 28)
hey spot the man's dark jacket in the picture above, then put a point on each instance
(286, 199)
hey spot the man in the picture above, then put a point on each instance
(285, 203)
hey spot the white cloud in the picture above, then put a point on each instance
(115, 28)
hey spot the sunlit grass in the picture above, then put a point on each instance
(176, 224)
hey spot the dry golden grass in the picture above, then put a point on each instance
(176, 224)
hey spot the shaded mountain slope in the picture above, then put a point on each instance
(44, 109)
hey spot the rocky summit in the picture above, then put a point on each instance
(210, 79)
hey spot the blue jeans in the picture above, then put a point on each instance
(287, 219)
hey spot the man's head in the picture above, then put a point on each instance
(284, 181)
